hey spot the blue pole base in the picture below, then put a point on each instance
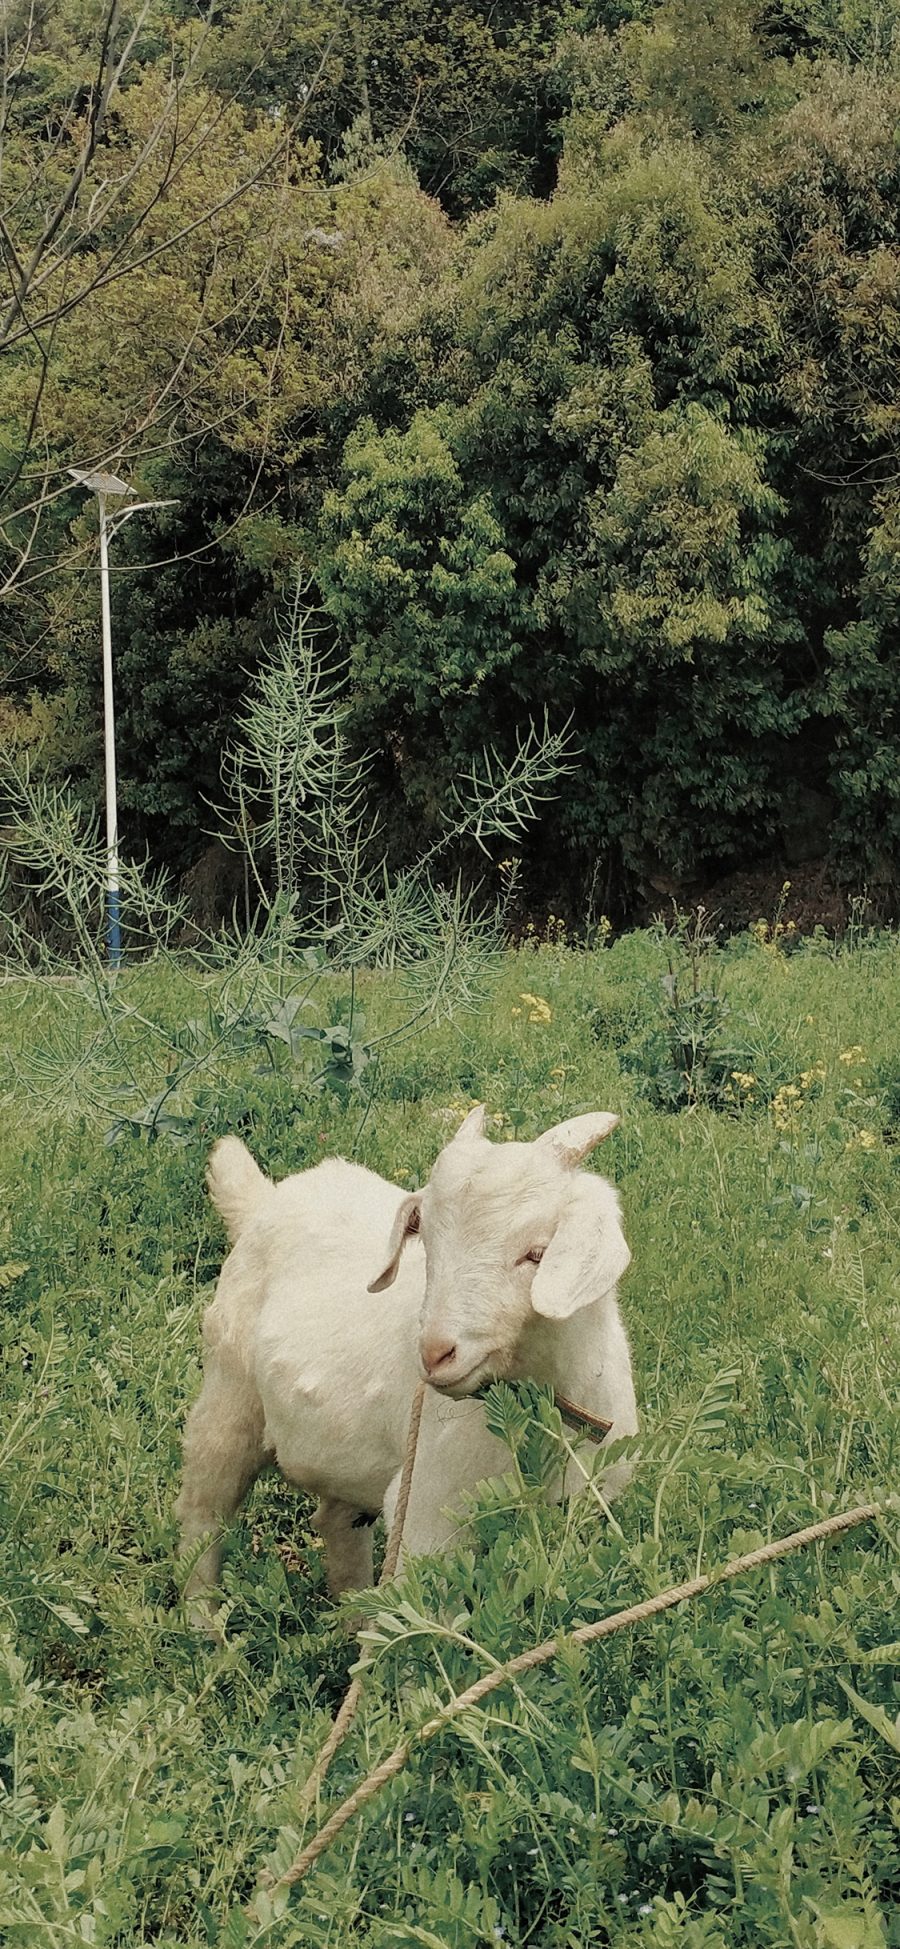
(113, 929)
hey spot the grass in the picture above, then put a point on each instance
(728, 1775)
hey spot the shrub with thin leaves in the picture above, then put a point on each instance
(327, 902)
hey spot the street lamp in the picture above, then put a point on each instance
(107, 486)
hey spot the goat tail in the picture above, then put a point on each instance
(236, 1184)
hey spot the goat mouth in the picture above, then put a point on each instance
(463, 1386)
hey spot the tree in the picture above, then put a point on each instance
(202, 306)
(474, 89)
(604, 481)
(124, 183)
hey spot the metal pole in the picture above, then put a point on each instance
(113, 930)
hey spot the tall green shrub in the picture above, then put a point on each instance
(590, 519)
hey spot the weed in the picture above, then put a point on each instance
(699, 1050)
(776, 937)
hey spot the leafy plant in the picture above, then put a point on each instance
(699, 1052)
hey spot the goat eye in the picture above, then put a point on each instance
(533, 1257)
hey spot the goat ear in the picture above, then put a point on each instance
(471, 1126)
(401, 1230)
(587, 1254)
(573, 1140)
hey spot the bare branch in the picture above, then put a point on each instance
(105, 85)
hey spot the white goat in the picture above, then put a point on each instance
(312, 1363)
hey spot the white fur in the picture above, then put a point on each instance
(321, 1318)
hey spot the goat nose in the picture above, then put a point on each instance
(437, 1352)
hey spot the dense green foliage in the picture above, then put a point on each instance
(558, 345)
(728, 1775)
(672, 435)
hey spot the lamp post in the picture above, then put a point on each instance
(107, 486)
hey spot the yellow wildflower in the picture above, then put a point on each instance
(861, 1140)
(785, 1104)
(539, 1010)
(854, 1054)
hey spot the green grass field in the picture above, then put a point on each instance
(726, 1775)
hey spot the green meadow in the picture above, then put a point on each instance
(725, 1775)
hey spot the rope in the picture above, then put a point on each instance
(347, 1712)
(588, 1424)
(542, 1653)
(392, 1553)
